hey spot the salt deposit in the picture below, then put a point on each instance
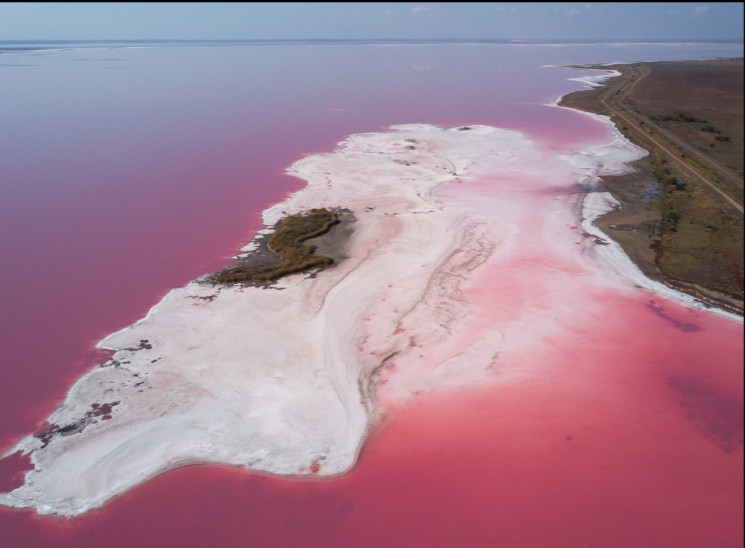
(276, 380)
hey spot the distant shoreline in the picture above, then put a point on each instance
(30, 45)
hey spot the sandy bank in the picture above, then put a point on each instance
(697, 183)
(597, 206)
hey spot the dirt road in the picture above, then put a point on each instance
(616, 103)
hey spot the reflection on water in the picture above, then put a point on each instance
(651, 192)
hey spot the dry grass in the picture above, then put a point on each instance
(695, 111)
(287, 243)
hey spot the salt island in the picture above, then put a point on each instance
(447, 226)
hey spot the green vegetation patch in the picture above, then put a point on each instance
(287, 243)
(678, 117)
(700, 242)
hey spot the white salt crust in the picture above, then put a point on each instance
(282, 380)
(273, 379)
(597, 80)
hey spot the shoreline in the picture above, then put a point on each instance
(598, 222)
(635, 224)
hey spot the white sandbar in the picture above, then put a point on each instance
(273, 379)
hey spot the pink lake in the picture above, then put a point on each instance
(127, 172)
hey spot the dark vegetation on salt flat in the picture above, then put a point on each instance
(682, 215)
(292, 255)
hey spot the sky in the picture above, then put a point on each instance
(317, 20)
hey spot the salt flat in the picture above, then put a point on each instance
(290, 379)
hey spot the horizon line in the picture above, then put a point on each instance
(362, 40)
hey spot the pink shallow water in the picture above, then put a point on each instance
(617, 423)
(621, 426)
(624, 447)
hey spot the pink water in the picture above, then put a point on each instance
(622, 428)
(624, 447)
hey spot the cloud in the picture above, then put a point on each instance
(419, 9)
(576, 11)
(701, 9)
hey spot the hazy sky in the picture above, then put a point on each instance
(642, 20)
